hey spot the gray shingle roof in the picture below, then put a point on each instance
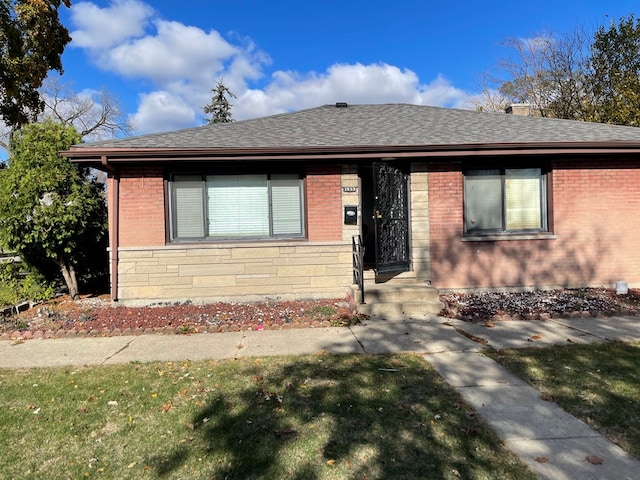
(378, 125)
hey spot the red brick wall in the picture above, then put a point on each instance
(324, 203)
(142, 221)
(595, 219)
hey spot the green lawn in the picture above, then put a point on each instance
(311, 417)
(598, 383)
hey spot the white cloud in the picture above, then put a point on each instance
(440, 92)
(176, 51)
(182, 63)
(377, 83)
(160, 111)
(99, 28)
(535, 44)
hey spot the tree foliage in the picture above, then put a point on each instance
(547, 72)
(32, 41)
(219, 109)
(50, 212)
(615, 73)
(577, 75)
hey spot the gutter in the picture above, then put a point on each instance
(94, 155)
(115, 237)
(114, 226)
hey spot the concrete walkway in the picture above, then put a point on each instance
(531, 427)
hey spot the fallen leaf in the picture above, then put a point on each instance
(166, 407)
(536, 337)
(542, 459)
(489, 324)
(132, 464)
(331, 462)
(546, 397)
(570, 341)
(471, 337)
(594, 460)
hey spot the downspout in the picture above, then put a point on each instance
(115, 231)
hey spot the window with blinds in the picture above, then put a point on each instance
(504, 200)
(217, 207)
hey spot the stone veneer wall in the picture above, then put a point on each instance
(247, 272)
(419, 212)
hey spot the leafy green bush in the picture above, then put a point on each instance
(19, 283)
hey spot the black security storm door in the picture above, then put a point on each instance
(391, 218)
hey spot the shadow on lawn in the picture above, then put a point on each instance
(598, 383)
(341, 417)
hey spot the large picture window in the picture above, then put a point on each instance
(219, 207)
(508, 200)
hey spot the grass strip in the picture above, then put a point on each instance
(599, 383)
(310, 417)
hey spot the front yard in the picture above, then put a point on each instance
(320, 417)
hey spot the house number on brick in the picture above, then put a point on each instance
(349, 189)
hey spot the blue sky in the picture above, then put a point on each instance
(161, 58)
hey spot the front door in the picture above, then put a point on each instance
(391, 218)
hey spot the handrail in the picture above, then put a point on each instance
(358, 264)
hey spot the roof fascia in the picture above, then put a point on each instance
(109, 156)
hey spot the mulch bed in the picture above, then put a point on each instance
(540, 305)
(96, 316)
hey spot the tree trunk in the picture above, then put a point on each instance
(69, 274)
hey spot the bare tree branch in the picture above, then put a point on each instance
(548, 72)
(95, 114)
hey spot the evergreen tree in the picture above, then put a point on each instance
(219, 109)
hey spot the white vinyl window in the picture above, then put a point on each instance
(505, 200)
(217, 207)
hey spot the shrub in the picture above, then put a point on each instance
(19, 283)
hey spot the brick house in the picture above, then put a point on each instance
(455, 199)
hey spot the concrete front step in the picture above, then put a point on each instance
(400, 300)
(371, 276)
(399, 311)
(399, 293)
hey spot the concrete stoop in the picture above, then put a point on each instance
(397, 301)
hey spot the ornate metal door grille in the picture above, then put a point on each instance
(391, 218)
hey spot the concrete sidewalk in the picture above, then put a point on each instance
(529, 426)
